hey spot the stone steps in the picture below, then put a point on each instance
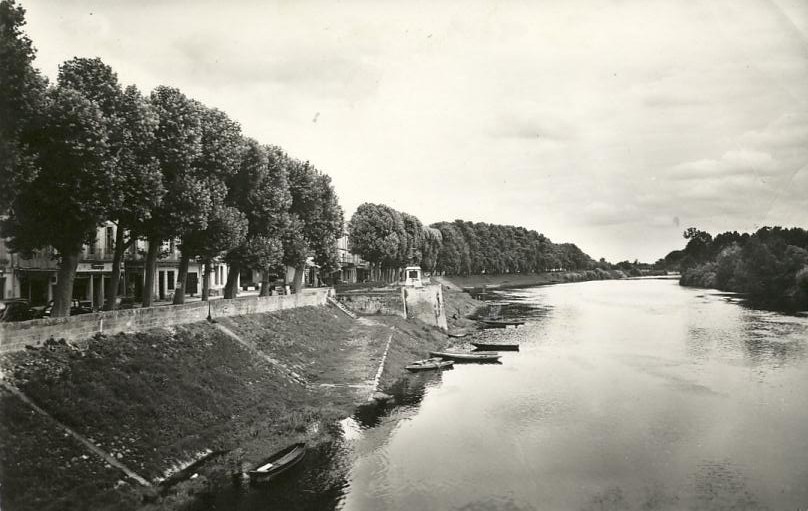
(336, 303)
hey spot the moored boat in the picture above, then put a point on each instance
(278, 463)
(429, 364)
(495, 346)
(480, 356)
(501, 323)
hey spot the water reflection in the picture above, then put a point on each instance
(321, 480)
(317, 482)
(407, 393)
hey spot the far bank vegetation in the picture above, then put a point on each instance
(390, 240)
(769, 265)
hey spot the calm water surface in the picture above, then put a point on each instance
(634, 395)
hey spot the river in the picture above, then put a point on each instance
(629, 395)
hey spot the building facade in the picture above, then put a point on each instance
(352, 267)
(34, 278)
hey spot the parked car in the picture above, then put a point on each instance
(16, 310)
(76, 307)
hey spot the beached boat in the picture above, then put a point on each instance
(457, 334)
(278, 463)
(495, 346)
(430, 364)
(501, 323)
(479, 356)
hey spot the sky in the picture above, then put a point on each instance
(614, 124)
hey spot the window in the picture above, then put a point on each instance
(110, 238)
(91, 249)
(216, 275)
(170, 280)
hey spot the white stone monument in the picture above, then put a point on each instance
(412, 276)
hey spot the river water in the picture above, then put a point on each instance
(635, 394)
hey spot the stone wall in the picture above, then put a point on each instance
(426, 304)
(15, 336)
(389, 303)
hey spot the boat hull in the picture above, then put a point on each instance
(467, 357)
(495, 346)
(283, 460)
(500, 324)
(430, 365)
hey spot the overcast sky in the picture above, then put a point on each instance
(610, 124)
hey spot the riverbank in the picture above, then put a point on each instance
(159, 399)
(514, 280)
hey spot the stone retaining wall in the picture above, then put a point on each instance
(388, 303)
(426, 304)
(15, 336)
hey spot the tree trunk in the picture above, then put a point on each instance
(150, 270)
(206, 282)
(266, 289)
(115, 278)
(63, 294)
(298, 282)
(182, 278)
(231, 289)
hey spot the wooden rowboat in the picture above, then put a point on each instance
(278, 463)
(480, 356)
(493, 346)
(497, 323)
(429, 364)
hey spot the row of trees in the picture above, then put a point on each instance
(87, 150)
(770, 265)
(390, 239)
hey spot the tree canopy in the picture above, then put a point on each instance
(769, 265)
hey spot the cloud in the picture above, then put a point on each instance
(736, 162)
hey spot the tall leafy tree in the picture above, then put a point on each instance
(218, 161)
(138, 181)
(226, 229)
(316, 220)
(261, 191)
(431, 248)
(22, 99)
(68, 199)
(415, 239)
(454, 251)
(137, 187)
(326, 227)
(177, 148)
(376, 233)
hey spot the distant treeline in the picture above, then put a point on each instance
(771, 265)
(390, 240)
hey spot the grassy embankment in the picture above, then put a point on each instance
(157, 398)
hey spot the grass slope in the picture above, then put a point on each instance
(155, 398)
